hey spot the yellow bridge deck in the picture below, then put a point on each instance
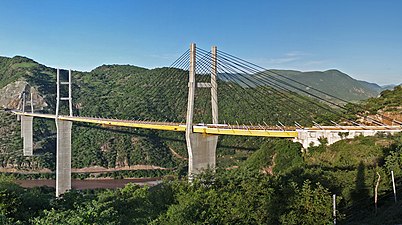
(216, 129)
(213, 129)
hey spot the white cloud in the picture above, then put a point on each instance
(287, 58)
(296, 54)
(296, 60)
(315, 62)
(282, 60)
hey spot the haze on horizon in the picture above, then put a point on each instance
(360, 38)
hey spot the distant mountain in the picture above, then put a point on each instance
(375, 86)
(389, 86)
(332, 82)
(372, 86)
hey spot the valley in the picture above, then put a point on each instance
(251, 171)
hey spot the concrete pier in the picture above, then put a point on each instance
(203, 148)
(27, 134)
(63, 157)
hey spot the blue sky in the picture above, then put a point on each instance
(360, 38)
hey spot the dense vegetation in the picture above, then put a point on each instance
(277, 184)
(389, 101)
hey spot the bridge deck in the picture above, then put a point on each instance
(217, 129)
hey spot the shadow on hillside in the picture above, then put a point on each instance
(332, 169)
(360, 191)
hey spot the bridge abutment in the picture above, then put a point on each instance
(63, 156)
(312, 137)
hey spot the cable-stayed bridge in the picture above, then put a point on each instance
(205, 94)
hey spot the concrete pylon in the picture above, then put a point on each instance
(63, 157)
(63, 148)
(201, 147)
(27, 135)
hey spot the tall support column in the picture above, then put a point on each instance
(27, 135)
(214, 85)
(201, 147)
(63, 157)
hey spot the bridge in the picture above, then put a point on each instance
(205, 72)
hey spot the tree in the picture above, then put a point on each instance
(310, 205)
(393, 162)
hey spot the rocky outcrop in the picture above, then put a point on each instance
(11, 96)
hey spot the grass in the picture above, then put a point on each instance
(24, 65)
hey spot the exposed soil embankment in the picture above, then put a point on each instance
(177, 154)
(94, 169)
(105, 183)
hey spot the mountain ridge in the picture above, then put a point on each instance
(333, 82)
(291, 73)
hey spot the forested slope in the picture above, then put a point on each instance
(278, 184)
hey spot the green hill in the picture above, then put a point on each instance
(333, 82)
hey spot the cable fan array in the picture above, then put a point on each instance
(248, 95)
(265, 96)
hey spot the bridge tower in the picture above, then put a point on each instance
(63, 145)
(201, 147)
